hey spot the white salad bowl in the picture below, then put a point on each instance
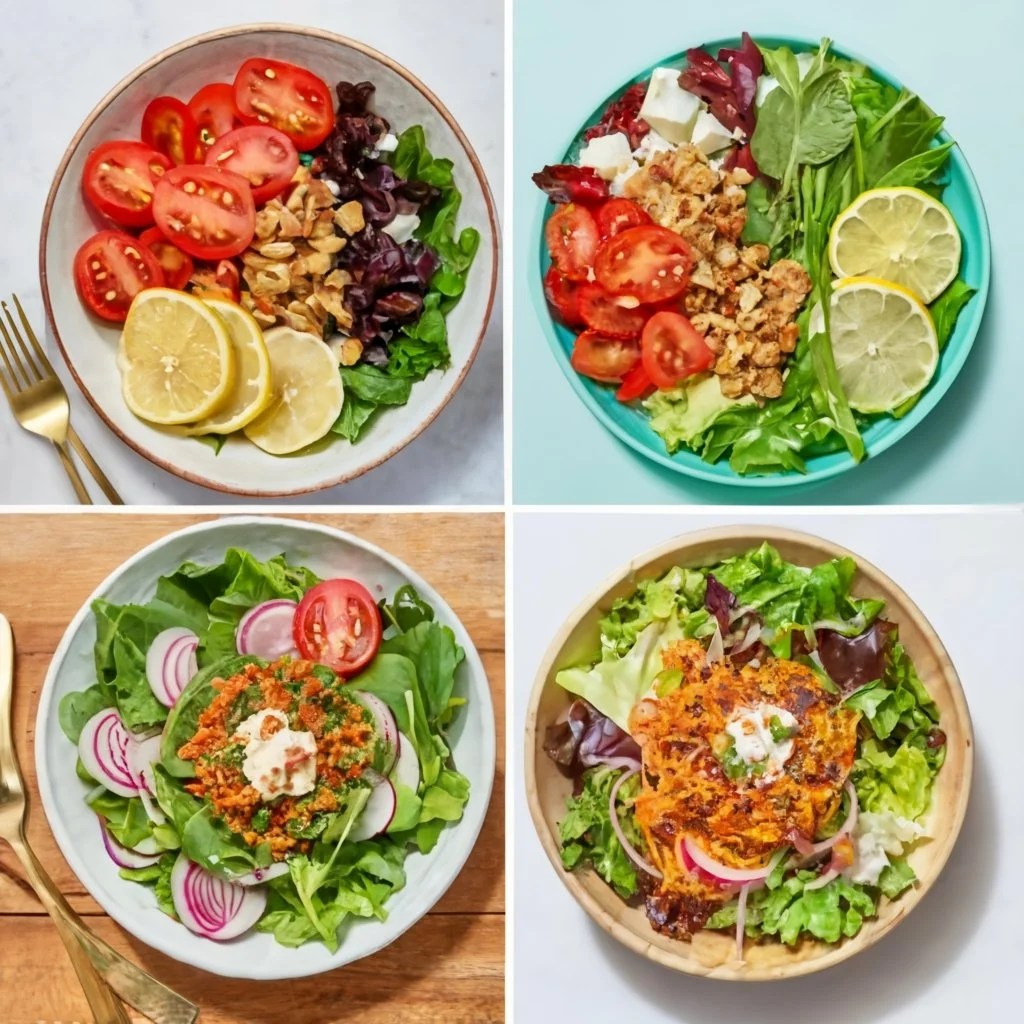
(257, 956)
(89, 346)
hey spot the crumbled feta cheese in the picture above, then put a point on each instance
(877, 837)
(402, 228)
(617, 186)
(669, 109)
(283, 764)
(388, 144)
(650, 146)
(607, 154)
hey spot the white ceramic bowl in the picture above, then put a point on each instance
(327, 552)
(89, 346)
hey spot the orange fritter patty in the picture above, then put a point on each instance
(686, 792)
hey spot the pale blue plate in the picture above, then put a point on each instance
(631, 425)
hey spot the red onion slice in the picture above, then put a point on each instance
(741, 921)
(630, 852)
(822, 880)
(847, 826)
(722, 872)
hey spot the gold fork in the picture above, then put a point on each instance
(90, 955)
(40, 403)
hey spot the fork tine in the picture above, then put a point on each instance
(36, 347)
(8, 394)
(34, 372)
(16, 381)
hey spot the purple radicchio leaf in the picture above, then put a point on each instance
(585, 738)
(719, 600)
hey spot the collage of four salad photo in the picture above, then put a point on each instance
(510, 510)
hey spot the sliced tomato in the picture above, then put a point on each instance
(169, 127)
(220, 282)
(213, 109)
(572, 238)
(205, 211)
(618, 316)
(287, 97)
(119, 180)
(265, 157)
(176, 265)
(337, 624)
(650, 262)
(635, 384)
(605, 359)
(111, 268)
(618, 214)
(673, 350)
(563, 296)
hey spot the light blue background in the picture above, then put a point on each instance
(570, 53)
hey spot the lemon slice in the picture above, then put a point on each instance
(900, 235)
(883, 340)
(306, 393)
(175, 358)
(252, 390)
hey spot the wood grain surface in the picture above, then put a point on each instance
(449, 967)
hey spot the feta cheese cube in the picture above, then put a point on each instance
(709, 134)
(668, 109)
(402, 227)
(607, 154)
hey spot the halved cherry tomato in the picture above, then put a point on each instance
(119, 179)
(571, 234)
(213, 108)
(635, 384)
(673, 350)
(220, 282)
(177, 267)
(111, 268)
(337, 624)
(619, 214)
(618, 316)
(602, 358)
(265, 157)
(649, 262)
(288, 98)
(563, 295)
(169, 127)
(206, 211)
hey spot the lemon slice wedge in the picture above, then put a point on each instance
(252, 391)
(901, 235)
(306, 393)
(884, 342)
(175, 357)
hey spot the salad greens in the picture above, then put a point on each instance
(420, 347)
(336, 879)
(899, 748)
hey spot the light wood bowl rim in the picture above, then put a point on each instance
(741, 538)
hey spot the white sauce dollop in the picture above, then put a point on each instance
(750, 730)
(284, 764)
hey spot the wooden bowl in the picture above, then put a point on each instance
(89, 346)
(712, 954)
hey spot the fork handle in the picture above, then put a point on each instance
(69, 467)
(90, 464)
(105, 1006)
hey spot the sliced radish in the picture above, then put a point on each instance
(261, 875)
(122, 856)
(384, 724)
(266, 630)
(170, 663)
(379, 810)
(104, 747)
(407, 768)
(212, 907)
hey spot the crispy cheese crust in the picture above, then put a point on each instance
(686, 792)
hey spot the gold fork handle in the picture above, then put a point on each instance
(90, 464)
(72, 472)
(105, 1007)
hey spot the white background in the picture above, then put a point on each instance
(958, 955)
(58, 58)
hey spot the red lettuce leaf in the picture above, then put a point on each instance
(586, 738)
(729, 95)
(566, 183)
(623, 115)
(719, 600)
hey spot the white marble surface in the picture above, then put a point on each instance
(956, 958)
(58, 58)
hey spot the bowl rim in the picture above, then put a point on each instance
(677, 545)
(45, 719)
(693, 466)
(129, 80)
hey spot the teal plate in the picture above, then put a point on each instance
(631, 426)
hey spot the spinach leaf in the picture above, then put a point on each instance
(436, 655)
(917, 169)
(78, 707)
(947, 308)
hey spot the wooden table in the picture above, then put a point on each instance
(449, 968)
